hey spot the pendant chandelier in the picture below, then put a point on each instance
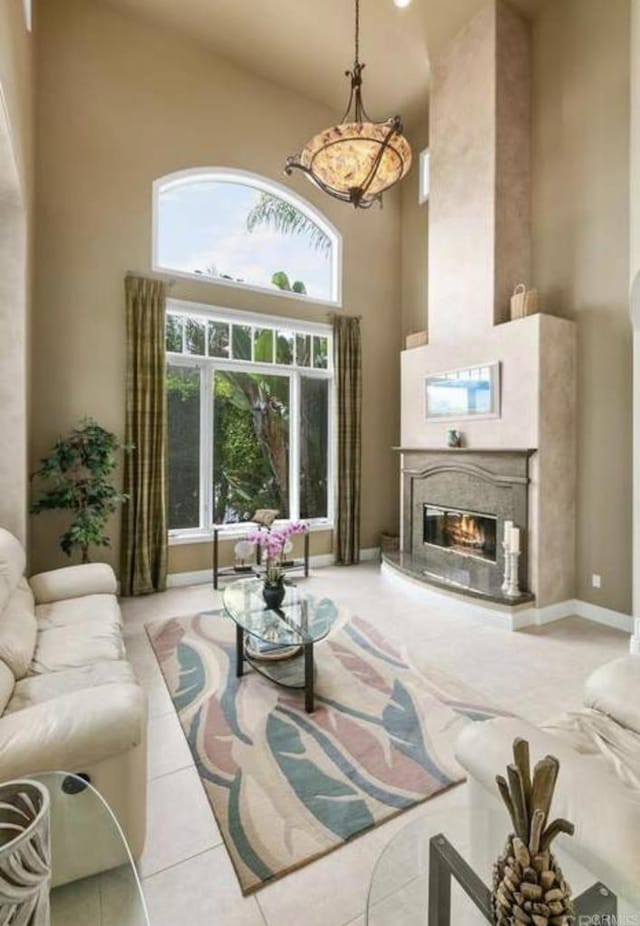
(357, 160)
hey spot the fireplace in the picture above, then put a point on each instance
(455, 505)
(466, 533)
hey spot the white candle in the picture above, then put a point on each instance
(514, 546)
(508, 526)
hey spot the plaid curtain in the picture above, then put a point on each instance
(348, 367)
(144, 522)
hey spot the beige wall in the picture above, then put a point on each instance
(120, 103)
(581, 260)
(415, 237)
(634, 277)
(16, 198)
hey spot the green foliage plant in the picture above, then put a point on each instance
(281, 280)
(270, 211)
(75, 477)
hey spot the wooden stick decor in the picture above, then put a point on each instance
(528, 885)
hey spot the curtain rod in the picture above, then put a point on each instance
(170, 281)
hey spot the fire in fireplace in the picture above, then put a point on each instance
(468, 533)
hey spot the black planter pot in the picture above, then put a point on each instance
(273, 595)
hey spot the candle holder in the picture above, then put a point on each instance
(512, 589)
(507, 567)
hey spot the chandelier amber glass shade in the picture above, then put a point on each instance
(356, 161)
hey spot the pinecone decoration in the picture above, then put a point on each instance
(528, 885)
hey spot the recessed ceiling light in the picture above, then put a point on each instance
(402, 4)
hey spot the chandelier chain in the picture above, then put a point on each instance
(357, 32)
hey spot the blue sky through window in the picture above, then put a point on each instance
(202, 227)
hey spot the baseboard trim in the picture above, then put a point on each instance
(205, 576)
(600, 615)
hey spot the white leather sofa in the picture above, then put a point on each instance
(69, 700)
(598, 787)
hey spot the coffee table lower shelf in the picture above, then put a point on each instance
(296, 672)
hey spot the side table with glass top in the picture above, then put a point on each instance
(437, 871)
(264, 635)
(93, 875)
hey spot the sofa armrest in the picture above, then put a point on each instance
(73, 582)
(485, 749)
(72, 732)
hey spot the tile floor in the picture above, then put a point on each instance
(186, 872)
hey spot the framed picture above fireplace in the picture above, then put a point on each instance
(457, 395)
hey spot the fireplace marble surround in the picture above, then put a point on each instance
(490, 482)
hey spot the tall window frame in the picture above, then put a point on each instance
(207, 365)
(264, 185)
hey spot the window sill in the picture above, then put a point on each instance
(233, 532)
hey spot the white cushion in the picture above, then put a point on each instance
(79, 644)
(614, 689)
(7, 683)
(92, 608)
(18, 629)
(39, 688)
(12, 565)
(74, 582)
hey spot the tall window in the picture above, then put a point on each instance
(249, 404)
(238, 229)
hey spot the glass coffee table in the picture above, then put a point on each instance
(437, 871)
(279, 643)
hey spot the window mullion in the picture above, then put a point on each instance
(206, 446)
(294, 447)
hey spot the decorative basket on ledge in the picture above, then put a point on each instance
(524, 302)
(25, 854)
(389, 543)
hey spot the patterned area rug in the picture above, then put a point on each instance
(287, 787)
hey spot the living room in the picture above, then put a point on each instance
(381, 457)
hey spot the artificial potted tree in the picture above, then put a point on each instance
(76, 477)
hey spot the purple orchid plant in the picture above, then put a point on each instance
(272, 541)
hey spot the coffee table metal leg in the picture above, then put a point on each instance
(308, 678)
(239, 651)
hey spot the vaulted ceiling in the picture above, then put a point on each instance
(307, 46)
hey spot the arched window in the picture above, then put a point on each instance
(239, 229)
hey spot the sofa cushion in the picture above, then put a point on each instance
(39, 688)
(18, 629)
(74, 582)
(614, 689)
(79, 644)
(7, 684)
(12, 565)
(102, 609)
